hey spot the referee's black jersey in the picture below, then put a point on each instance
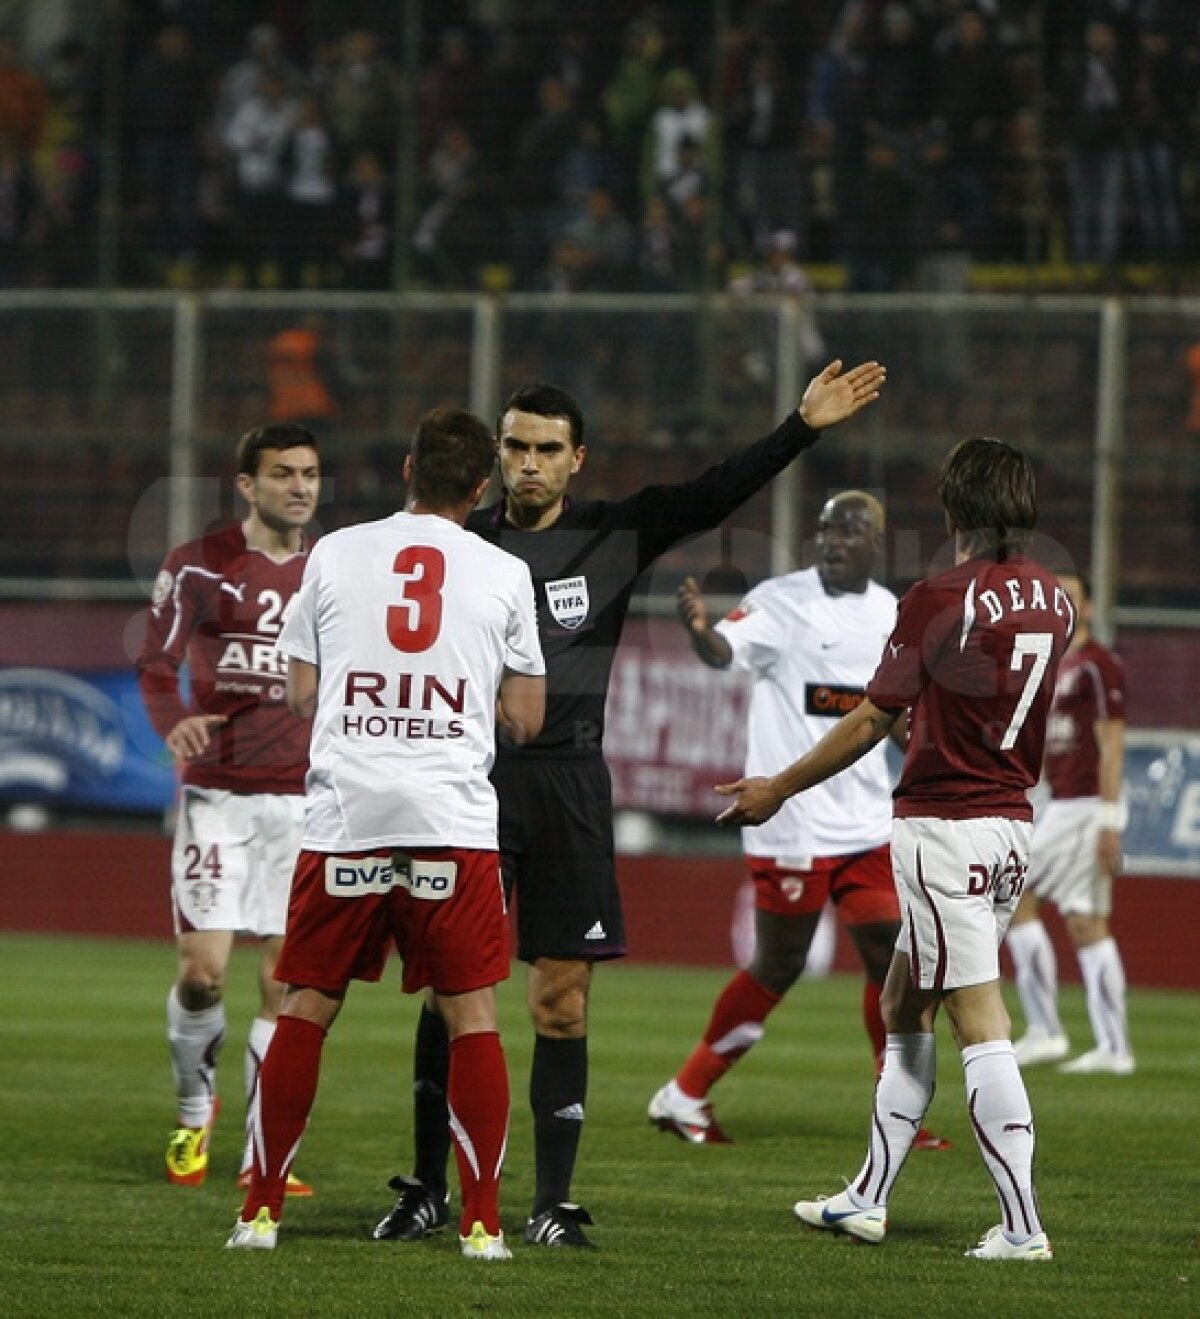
(584, 568)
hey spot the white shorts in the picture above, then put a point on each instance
(233, 858)
(959, 882)
(1065, 866)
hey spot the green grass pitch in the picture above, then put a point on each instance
(89, 1225)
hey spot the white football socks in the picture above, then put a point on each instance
(902, 1095)
(257, 1043)
(1036, 976)
(195, 1039)
(1104, 982)
(1003, 1123)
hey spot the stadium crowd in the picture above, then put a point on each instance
(605, 145)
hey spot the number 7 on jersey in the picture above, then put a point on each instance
(1039, 646)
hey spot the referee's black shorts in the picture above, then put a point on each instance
(556, 853)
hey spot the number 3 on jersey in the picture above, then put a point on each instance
(413, 625)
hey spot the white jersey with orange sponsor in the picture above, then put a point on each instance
(411, 621)
(811, 654)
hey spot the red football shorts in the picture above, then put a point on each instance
(860, 885)
(441, 908)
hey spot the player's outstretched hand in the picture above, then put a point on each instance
(693, 612)
(832, 397)
(756, 801)
(192, 735)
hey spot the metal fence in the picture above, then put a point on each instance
(118, 414)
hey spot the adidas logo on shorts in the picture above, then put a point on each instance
(596, 932)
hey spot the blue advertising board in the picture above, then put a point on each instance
(80, 739)
(1162, 784)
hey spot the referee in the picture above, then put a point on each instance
(556, 829)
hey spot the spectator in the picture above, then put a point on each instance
(690, 178)
(942, 223)
(70, 78)
(509, 89)
(166, 102)
(973, 101)
(665, 262)
(362, 98)
(837, 84)
(657, 255)
(23, 100)
(763, 137)
(451, 232)
(572, 59)
(605, 237)
(369, 208)
(448, 92)
(66, 167)
(533, 193)
(820, 184)
(310, 170)
(698, 255)
(837, 98)
(18, 213)
(1095, 101)
(780, 272)
(680, 118)
(876, 231)
(258, 136)
(629, 96)
(1018, 211)
(898, 75)
(1163, 95)
(588, 163)
(242, 81)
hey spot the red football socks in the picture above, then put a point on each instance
(287, 1086)
(736, 1025)
(479, 1106)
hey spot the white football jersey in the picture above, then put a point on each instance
(411, 621)
(812, 655)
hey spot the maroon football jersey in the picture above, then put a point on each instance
(974, 655)
(219, 605)
(1090, 687)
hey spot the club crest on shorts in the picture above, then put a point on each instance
(568, 601)
(202, 896)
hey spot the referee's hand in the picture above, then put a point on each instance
(832, 397)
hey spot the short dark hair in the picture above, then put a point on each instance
(546, 401)
(452, 451)
(279, 435)
(988, 491)
(1080, 576)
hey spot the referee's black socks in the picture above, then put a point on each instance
(557, 1094)
(431, 1122)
